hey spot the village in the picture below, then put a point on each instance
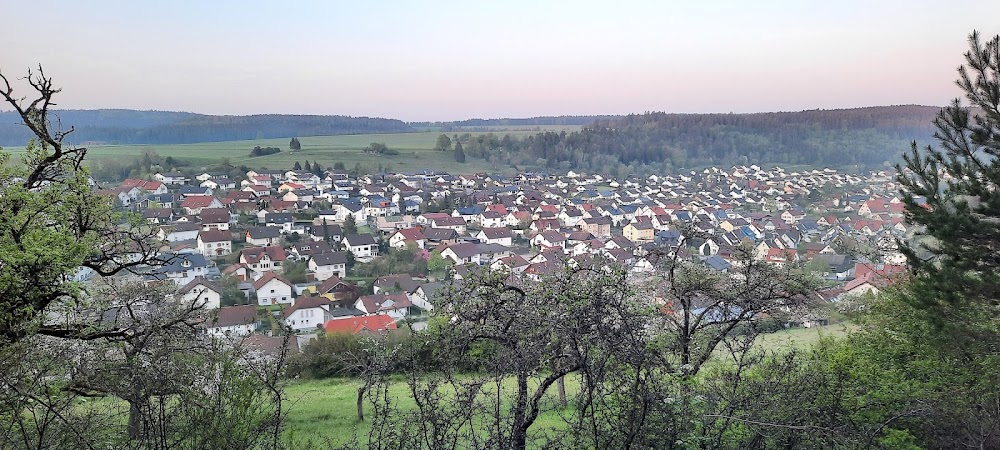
(312, 251)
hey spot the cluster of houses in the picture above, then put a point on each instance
(250, 229)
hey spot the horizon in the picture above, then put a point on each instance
(452, 61)
(3, 111)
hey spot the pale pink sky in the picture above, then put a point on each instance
(453, 60)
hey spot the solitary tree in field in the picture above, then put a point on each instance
(294, 144)
(459, 152)
(443, 143)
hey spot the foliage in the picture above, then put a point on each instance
(403, 260)
(294, 144)
(295, 271)
(959, 210)
(459, 152)
(117, 337)
(350, 227)
(264, 151)
(443, 143)
(377, 148)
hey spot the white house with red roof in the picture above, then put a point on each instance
(407, 236)
(213, 243)
(195, 203)
(273, 289)
(395, 305)
(263, 259)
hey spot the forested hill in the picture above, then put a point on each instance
(120, 126)
(663, 142)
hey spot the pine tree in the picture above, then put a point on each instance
(349, 226)
(459, 152)
(294, 144)
(950, 193)
(307, 167)
(297, 166)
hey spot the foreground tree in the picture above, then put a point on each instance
(951, 194)
(63, 340)
(53, 224)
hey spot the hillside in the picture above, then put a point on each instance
(120, 126)
(661, 142)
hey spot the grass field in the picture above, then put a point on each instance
(416, 152)
(325, 409)
(802, 338)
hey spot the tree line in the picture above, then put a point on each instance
(159, 127)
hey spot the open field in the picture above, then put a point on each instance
(802, 338)
(415, 152)
(324, 410)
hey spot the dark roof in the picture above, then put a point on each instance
(360, 239)
(263, 232)
(325, 259)
(202, 281)
(215, 236)
(440, 234)
(235, 315)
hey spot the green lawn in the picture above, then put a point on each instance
(325, 410)
(415, 152)
(802, 338)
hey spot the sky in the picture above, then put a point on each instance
(453, 60)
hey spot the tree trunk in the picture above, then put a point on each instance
(562, 392)
(361, 397)
(519, 440)
(134, 418)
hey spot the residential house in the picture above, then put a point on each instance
(362, 246)
(174, 178)
(407, 237)
(273, 289)
(214, 243)
(377, 323)
(195, 204)
(327, 265)
(215, 219)
(639, 232)
(597, 226)
(395, 305)
(234, 321)
(263, 259)
(202, 292)
(501, 236)
(263, 236)
(308, 313)
(181, 268)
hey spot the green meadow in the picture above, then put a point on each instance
(324, 411)
(415, 152)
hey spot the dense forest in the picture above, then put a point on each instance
(118, 126)
(660, 142)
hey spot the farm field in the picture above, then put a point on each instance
(415, 152)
